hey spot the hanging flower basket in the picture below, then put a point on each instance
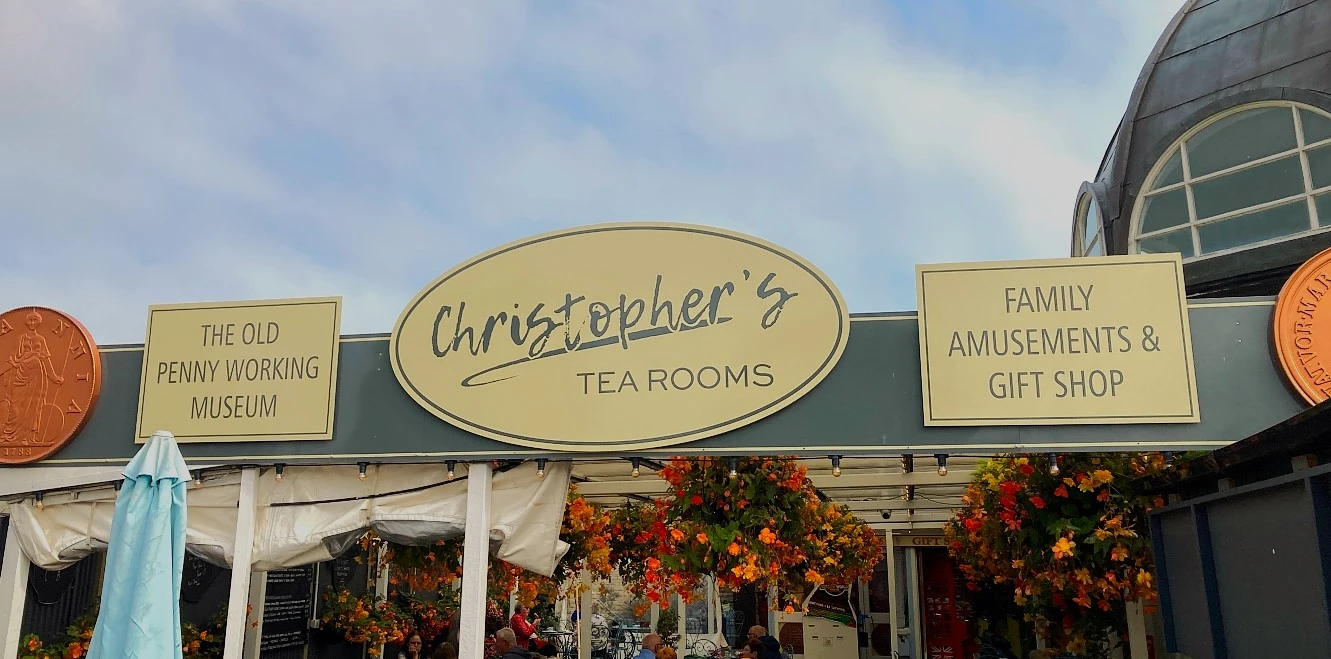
(763, 525)
(1069, 545)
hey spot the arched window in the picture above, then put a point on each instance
(1089, 231)
(1259, 173)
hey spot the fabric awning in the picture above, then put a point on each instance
(316, 513)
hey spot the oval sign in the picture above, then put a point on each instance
(619, 336)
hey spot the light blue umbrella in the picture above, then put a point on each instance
(140, 610)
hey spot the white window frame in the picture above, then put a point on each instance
(1316, 225)
(1079, 246)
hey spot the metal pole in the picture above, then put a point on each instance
(475, 562)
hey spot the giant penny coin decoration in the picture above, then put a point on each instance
(50, 376)
(1302, 331)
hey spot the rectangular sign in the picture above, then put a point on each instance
(241, 371)
(1100, 340)
(899, 540)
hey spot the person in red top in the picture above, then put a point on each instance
(521, 628)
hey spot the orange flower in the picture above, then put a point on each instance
(734, 549)
(767, 536)
(676, 534)
(702, 538)
(789, 609)
(1119, 553)
(1064, 548)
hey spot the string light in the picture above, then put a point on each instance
(452, 464)
(636, 471)
(942, 464)
(198, 479)
(540, 468)
(734, 467)
(836, 466)
(362, 466)
(1169, 461)
(1053, 465)
(37, 501)
(279, 468)
(907, 463)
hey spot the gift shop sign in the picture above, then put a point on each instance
(240, 371)
(619, 336)
(1067, 341)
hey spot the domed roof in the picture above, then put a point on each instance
(1213, 55)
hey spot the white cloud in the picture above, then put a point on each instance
(194, 151)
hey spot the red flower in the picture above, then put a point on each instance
(1061, 492)
(1026, 470)
(1009, 488)
(1037, 502)
(696, 500)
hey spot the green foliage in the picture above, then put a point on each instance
(667, 624)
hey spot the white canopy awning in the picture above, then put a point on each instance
(315, 513)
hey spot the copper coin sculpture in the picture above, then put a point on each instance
(50, 377)
(1302, 328)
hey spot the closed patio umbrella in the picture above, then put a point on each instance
(140, 605)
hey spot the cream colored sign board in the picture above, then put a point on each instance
(619, 336)
(899, 540)
(261, 370)
(1100, 340)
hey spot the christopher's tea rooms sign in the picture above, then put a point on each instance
(619, 336)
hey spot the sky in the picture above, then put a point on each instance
(164, 151)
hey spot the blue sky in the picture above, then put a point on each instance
(156, 151)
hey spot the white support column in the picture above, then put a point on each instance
(381, 580)
(915, 577)
(584, 630)
(241, 563)
(254, 633)
(655, 615)
(13, 593)
(771, 610)
(475, 562)
(893, 588)
(1137, 648)
(715, 626)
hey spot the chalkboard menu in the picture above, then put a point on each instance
(198, 576)
(287, 609)
(344, 570)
